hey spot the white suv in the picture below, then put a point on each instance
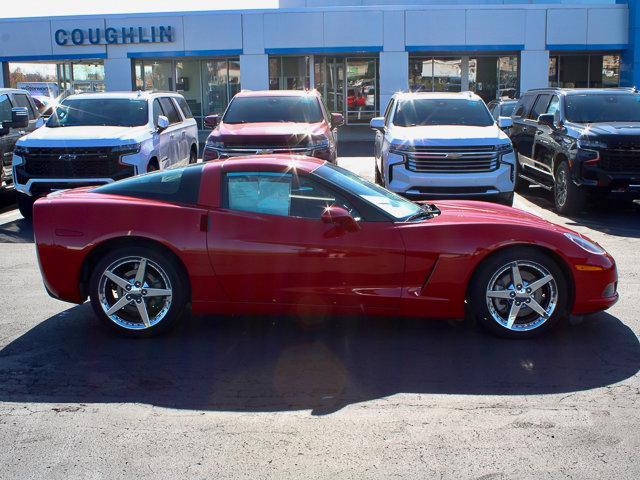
(431, 145)
(97, 138)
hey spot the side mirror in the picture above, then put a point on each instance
(163, 123)
(505, 122)
(340, 217)
(547, 119)
(336, 120)
(377, 123)
(212, 121)
(19, 117)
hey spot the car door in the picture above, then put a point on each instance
(548, 139)
(181, 134)
(379, 140)
(173, 132)
(23, 100)
(533, 131)
(268, 245)
(161, 139)
(11, 136)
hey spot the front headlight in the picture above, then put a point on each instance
(18, 155)
(588, 143)
(504, 149)
(213, 143)
(127, 149)
(322, 142)
(585, 244)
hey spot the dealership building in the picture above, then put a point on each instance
(356, 53)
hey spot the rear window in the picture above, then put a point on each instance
(439, 111)
(178, 185)
(184, 106)
(298, 109)
(524, 104)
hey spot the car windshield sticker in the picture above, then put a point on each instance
(261, 193)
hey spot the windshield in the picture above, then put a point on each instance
(441, 111)
(274, 109)
(111, 112)
(593, 108)
(398, 207)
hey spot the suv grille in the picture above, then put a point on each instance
(621, 158)
(456, 159)
(88, 162)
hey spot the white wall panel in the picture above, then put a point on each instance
(393, 31)
(346, 29)
(607, 26)
(534, 69)
(566, 26)
(25, 38)
(117, 74)
(497, 27)
(212, 32)
(535, 30)
(254, 72)
(435, 27)
(293, 30)
(394, 72)
(253, 33)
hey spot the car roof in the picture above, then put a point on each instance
(436, 95)
(142, 95)
(274, 163)
(574, 91)
(277, 93)
(13, 90)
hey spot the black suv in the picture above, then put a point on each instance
(577, 142)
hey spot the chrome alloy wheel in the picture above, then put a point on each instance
(522, 295)
(135, 293)
(561, 187)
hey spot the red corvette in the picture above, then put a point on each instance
(295, 234)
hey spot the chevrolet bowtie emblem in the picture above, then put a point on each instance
(453, 156)
(67, 156)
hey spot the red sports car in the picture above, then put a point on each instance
(295, 234)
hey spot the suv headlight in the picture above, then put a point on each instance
(588, 143)
(127, 149)
(504, 149)
(585, 244)
(320, 142)
(215, 144)
(18, 155)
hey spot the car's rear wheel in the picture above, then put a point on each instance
(25, 205)
(519, 293)
(193, 156)
(568, 197)
(138, 291)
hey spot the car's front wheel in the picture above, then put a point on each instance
(519, 293)
(138, 291)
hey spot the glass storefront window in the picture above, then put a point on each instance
(289, 73)
(584, 70)
(70, 77)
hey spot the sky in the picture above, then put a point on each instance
(46, 8)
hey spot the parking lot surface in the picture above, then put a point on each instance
(229, 397)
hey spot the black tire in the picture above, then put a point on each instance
(527, 322)
(506, 199)
(568, 198)
(378, 176)
(193, 156)
(128, 314)
(25, 205)
(519, 183)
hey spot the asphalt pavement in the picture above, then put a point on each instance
(347, 398)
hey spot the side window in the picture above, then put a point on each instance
(539, 107)
(387, 112)
(23, 101)
(157, 111)
(5, 108)
(170, 110)
(495, 110)
(184, 107)
(554, 104)
(523, 105)
(280, 194)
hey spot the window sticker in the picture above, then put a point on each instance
(261, 193)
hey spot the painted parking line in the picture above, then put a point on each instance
(10, 216)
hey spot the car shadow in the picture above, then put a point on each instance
(17, 231)
(267, 364)
(611, 215)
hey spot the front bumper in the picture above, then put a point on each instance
(598, 178)
(595, 290)
(451, 185)
(324, 153)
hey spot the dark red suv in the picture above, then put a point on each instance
(273, 121)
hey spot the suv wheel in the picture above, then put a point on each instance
(25, 205)
(519, 184)
(378, 178)
(568, 197)
(506, 199)
(193, 156)
(519, 293)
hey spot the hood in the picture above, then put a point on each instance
(445, 135)
(268, 134)
(469, 211)
(99, 136)
(611, 128)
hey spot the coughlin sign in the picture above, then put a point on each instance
(113, 36)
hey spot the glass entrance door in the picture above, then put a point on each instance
(349, 85)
